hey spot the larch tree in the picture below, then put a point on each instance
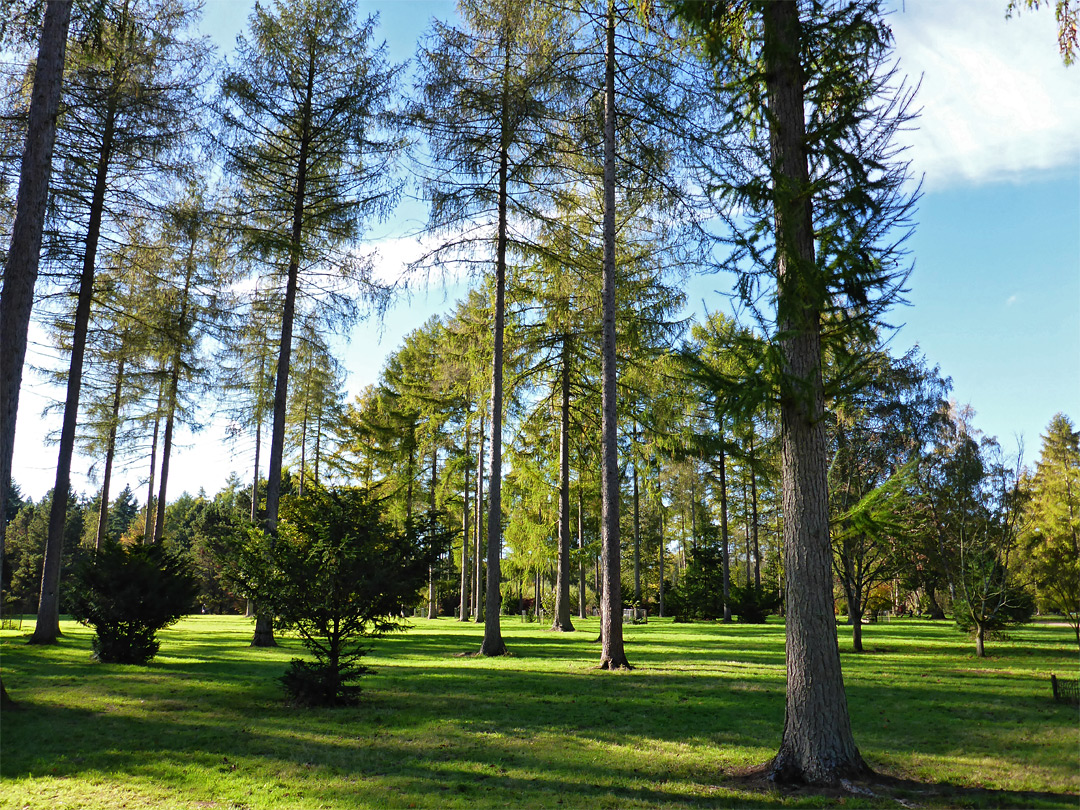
(813, 195)
(307, 143)
(23, 254)
(187, 289)
(486, 95)
(130, 95)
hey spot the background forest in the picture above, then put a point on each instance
(205, 243)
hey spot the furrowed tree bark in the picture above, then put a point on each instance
(562, 584)
(817, 745)
(47, 629)
(612, 654)
(493, 641)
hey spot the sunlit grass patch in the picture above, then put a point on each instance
(205, 724)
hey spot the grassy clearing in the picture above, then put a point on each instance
(204, 725)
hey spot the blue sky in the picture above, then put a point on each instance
(995, 294)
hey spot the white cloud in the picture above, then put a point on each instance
(1012, 299)
(997, 102)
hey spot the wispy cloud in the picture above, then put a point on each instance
(997, 103)
(1012, 299)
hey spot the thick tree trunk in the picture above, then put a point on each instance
(725, 540)
(493, 641)
(817, 745)
(466, 519)
(980, 641)
(562, 581)
(612, 654)
(21, 270)
(47, 629)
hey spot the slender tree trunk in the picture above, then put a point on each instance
(466, 519)
(562, 581)
(637, 531)
(693, 511)
(255, 474)
(582, 608)
(493, 641)
(110, 452)
(148, 524)
(264, 624)
(754, 515)
(663, 549)
(612, 654)
(817, 745)
(478, 556)
(725, 540)
(980, 640)
(21, 270)
(432, 613)
(47, 629)
(318, 445)
(746, 532)
(172, 399)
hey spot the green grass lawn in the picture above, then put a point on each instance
(205, 726)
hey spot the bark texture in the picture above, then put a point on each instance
(612, 654)
(493, 641)
(817, 745)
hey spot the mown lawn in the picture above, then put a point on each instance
(204, 726)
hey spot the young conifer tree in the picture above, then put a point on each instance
(488, 94)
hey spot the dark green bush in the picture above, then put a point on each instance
(337, 573)
(700, 592)
(127, 594)
(752, 604)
